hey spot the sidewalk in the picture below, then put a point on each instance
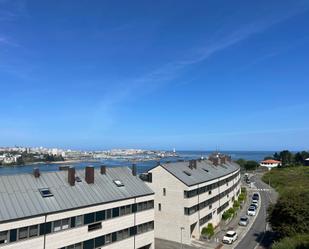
(216, 242)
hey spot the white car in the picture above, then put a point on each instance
(251, 211)
(230, 237)
(255, 202)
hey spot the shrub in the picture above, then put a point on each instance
(236, 204)
(208, 231)
(228, 214)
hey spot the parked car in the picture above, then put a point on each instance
(255, 196)
(243, 221)
(255, 205)
(255, 202)
(230, 237)
(251, 211)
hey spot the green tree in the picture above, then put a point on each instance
(286, 157)
(241, 162)
(251, 165)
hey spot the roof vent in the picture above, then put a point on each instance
(206, 170)
(36, 172)
(187, 173)
(89, 174)
(45, 192)
(118, 183)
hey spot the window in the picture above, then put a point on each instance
(99, 241)
(23, 233)
(65, 223)
(108, 238)
(79, 220)
(164, 191)
(118, 183)
(45, 192)
(122, 210)
(115, 212)
(88, 218)
(108, 213)
(89, 244)
(3, 237)
(95, 226)
(100, 216)
(33, 231)
(57, 226)
(13, 235)
(209, 192)
(210, 206)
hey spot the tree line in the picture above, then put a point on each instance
(289, 158)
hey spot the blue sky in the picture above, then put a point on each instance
(155, 74)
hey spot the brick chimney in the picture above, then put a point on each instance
(134, 169)
(71, 176)
(103, 170)
(192, 164)
(89, 174)
(36, 172)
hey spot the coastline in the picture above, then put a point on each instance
(46, 163)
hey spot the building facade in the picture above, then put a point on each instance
(189, 195)
(96, 208)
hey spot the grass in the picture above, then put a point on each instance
(286, 180)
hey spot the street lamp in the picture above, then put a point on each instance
(182, 228)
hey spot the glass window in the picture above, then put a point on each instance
(13, 235)
(164, 191)
(108, 213)
(139, 207)
(125, 233)
(100, 216)
(88, 218)
(79, 220)
(57, 226)
(33, 231)
(159, 206)
(23, 233)
(122, 210)
(3, 237)
(99, 241)
(115, 212)
(108, 238)
(89, 244)
(128, 209)
(78, 246)
(65, 223)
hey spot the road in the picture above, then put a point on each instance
(258, 236)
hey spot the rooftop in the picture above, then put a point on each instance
(25, 195)
(205, 171)
(270, 161)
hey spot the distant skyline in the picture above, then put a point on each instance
(188, 75)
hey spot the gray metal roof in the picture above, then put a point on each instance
(20, 196)
(199, 175)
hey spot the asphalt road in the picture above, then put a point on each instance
(257, 236)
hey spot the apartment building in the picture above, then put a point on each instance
(82, 209)
(189, 195)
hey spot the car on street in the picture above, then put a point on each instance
(255, 202)
(243, 221)
(254, 205)
(230, 237)
(256, 196)
(251, 211)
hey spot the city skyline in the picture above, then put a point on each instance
(155, 75)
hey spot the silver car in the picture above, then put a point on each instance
(243, 221)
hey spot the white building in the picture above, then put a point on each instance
(189, 195)
(270, 163)
(107, 207)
